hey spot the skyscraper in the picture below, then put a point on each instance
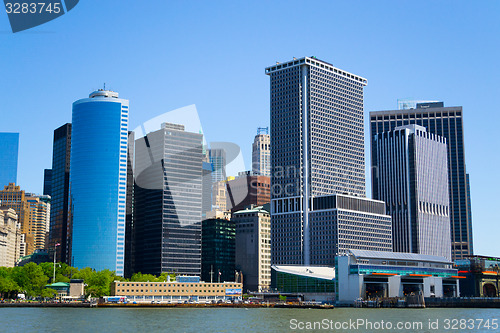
(129, 218)
(253, 247)
(13, 197)
(317, 150)
(217, 157)
(448, 123)
(39, 217)
(207, 188)
(217, 250)
(47, 181)
(261, 153)
(98, 181)
(412, 171)
(60, 228)
(9, 150)
(168, 201)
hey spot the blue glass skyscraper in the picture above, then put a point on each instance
(98, 181)
(9, 149)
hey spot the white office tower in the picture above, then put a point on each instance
(318, 199)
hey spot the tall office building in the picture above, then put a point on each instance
(317, 150)
(168, 201)
(261, 153)
(412, 168)
(219, 196)
(60, 228)
(129, 217)
(217, 157)
(47, 181)
(9, 150)
(206, 205)
(253, 247)
(217, 250)
(39, 218)
(448, 123)
(13, 197)
(98, 181)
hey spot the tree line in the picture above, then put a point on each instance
(31, 279)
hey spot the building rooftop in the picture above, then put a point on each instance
(58, 284)
(313, 61)
(417, 111)
(398, 256)
(317, 272)
(258, 209)
(103, 93)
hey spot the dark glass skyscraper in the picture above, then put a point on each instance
(218, 250)
(9, 150)
(59, 211)
(448, 123)
(129, 218)
(98, 181)
(47, 182)
(168, 201)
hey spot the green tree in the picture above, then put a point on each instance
(30, 279)
(164, 277)
(139, 277)
(99, 283)
(48, 293)
(8, 287)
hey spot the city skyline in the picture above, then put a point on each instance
(425, 69)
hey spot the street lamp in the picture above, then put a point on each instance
(54, 277)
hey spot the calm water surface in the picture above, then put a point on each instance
(234, 320)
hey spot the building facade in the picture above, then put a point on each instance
(98, 181)
(253, 247)
(341, 222)
(39, 219)
(47, 181)
(412, 167)
(261, 153)
(129, 217)
(480, 276)
(248, 189)
(217, 157)
(9, 151)
(184, 289)
(448, 123)
(13, 197)
(60, 227)
(217, 250)
(371, 274)
(312, 283)
(219, 196)
(10, 237)
(206, 205)
(317, 149)
(168, 201)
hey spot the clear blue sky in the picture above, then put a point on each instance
(162, 55)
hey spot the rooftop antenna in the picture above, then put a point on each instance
(104, 85)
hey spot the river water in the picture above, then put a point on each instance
(247, 320)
